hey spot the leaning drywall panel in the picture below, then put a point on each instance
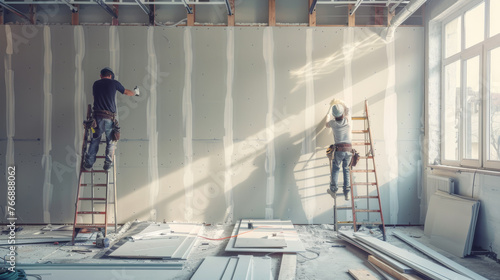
(64, 161)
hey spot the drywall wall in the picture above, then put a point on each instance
(229, 125)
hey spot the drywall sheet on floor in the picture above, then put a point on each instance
(260, 233)
(169, 241)
(240, 267)
(293, 243)
(43, 236)
(271, 97)
(451, 222)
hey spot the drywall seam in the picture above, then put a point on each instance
(80, 100)
(114, 51)
(391, 132)
(9, 104)
(228, 128)
(348, 52)
(187, 116)
(10, 98)
(309, 144)
(47, 124)
(154, 186)
(270, 151)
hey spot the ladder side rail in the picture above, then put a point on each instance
(115, 201)
(374, 167)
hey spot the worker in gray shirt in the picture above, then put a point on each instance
(342, 149)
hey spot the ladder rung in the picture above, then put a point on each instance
(345, 222)
(91, 212)
(90, 225)
(360, 131)
(366, 210)
(95, 185)
(358, 118)
(95, 171)
(360, 143)
(365, 196)
(364, 184)
(369, 223)
(366, 157)
(363, 170)
(90, 198)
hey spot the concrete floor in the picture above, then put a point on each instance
(320, 261)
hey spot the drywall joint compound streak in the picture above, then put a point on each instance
(10, 102)
(187, 117)
(80, 103)
(268, 49)
(47, 124)
(391, 131)
(309, 144)
(154, 186)
(228, 128)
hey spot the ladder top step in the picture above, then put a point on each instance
(90, 198)
(95, 171)
(360, 131)
(358, 118)
(360, 143)
(363, 170)
(365, 184)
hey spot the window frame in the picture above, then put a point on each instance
(482, 50)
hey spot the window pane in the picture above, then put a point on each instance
(494, 106)
(494, 18)
(472, 108)
(474, 26)
(453, 37)
(451, 114)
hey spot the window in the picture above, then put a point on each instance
(470, 111)
(493, 115)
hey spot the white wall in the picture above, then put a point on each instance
(230, 123)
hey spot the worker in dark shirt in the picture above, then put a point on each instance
(104, 91)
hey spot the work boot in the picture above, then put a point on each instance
(107, 165)
(87, 166)
(346, 193)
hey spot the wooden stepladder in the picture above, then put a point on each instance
(365, 193)
(92, 195)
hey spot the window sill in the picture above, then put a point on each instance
(459, 169)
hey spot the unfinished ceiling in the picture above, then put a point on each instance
(210, 12)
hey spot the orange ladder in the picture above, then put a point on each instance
(90, 195)
(361, 198)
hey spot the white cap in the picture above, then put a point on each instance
(337, 110)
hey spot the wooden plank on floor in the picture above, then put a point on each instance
(288, 267)
(390, 270)
(362, 274)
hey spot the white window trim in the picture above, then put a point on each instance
(482, 50)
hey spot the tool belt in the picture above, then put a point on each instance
(343, 147)
(104, 114)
